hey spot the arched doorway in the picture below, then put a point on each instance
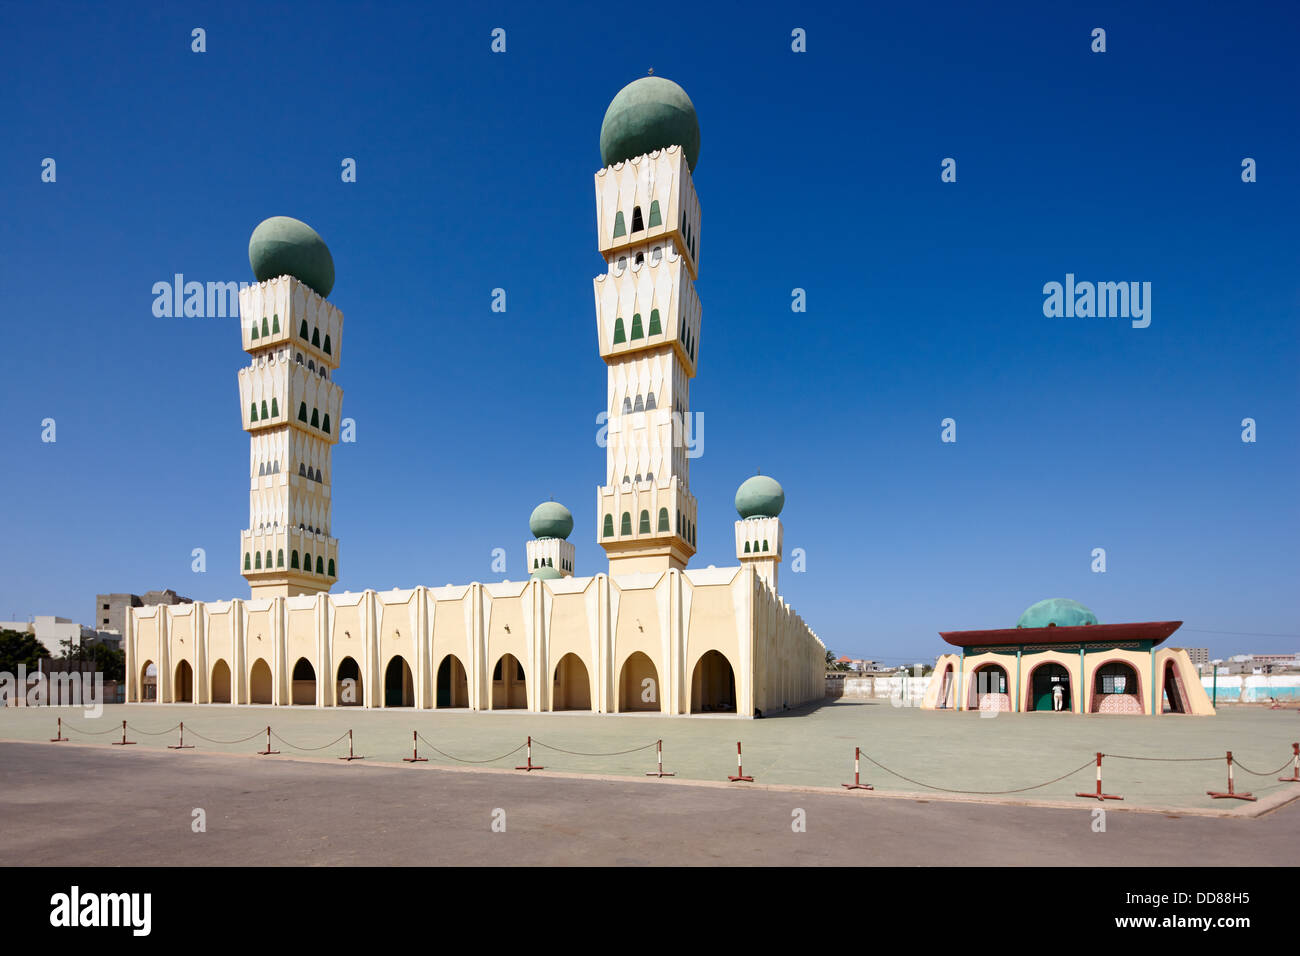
(638, 684)
(944, 700)
(183, 689)
(509, 688)
(399, 688)
(149, 681)
(713, 685)
(348, 679)
(1174, 699)
(1115, 689)
(453, 685)
(259, 683)
(220, 687)
(572, 687)
(1043, 683)
(988, 689)
(304, 682)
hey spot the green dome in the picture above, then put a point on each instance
(546, 573)
(760, 497)
(648, 114)
(1059, 611)
(283, 246)
(550, 519)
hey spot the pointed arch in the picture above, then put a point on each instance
(348, 691)
(619, 228)
(655, 326)
(509, 684)
(608, 530)
(638, 684)
(637, 333)
(453, 684)
(399, 686)
(643, 526)
(219, 685)
(655, 218)
(713, 684)
(637, 223)
(259, 682)
(571, 684)
(663, 519)
(625, 526)
(619, 337)
(303, 683)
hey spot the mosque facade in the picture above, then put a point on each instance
(652, 634)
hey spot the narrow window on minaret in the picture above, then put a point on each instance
(331, 567)
(268, 560)
(625, 526)
(302, 330)
(650, 404)
(252, 412)
(637, 333)
(302, 411)
(656, 254)
(266, 329)
(663, 515)
(254, 334)
(618, 332)
(325, 427)
(609, 526)
(765, 544)
(747, 547)
(293, 560)
(619, 228)
(257, 561)
(306, 562)
(320, 563)
(248, 561)
(275, 408)
(279, 558)
(639, 406)
(315, 337)
(275, 324)
(640, 258)
(637, 224)
(627, 409)
(315, 419)
(655, 220)
(327, 346)
(643, 527)
(264, 412)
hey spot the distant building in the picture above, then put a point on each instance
(110, 609)
(52, 631)
(1200, 655)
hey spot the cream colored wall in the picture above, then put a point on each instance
(672, 617)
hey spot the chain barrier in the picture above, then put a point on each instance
(465, 760)
(579, 753)
(983, 793)
(341, 737)
(153, 733)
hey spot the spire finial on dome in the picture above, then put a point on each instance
(650, 72)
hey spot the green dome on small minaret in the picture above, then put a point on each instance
(550, 519)
(546, 573)
(283, 246)
(648, 114)
(760, 497)
(1061, 612)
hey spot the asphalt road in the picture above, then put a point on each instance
(75, 806)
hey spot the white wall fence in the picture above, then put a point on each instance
(1253, 688)
(909, 689)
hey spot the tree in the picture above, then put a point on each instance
(18, 648)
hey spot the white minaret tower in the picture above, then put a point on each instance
(550, 553)
(648, 324)
(758, 532)
(291, 410)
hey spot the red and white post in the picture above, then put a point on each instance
(268, 750)
(351, 755)
(1099, 795)
(60, 738)
(857, 783)
(123, 742)
(1231, 793)
(659, 753)
(415, 752)
(528, 764)
(740, 770)
(182, 745)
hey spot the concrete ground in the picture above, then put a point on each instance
(809, 748)
(64, 804)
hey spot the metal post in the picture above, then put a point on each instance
(123, 742)
(659, 754)
(528, 764)
(415, 753)
(182, 745)
(1099, 795)
(1231, 793)
(740, 770)
(268, 749)
(857, 783)
(351, 755)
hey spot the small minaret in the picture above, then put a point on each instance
(290, 407)
(758, 532)
(551, 523)
(648, 324)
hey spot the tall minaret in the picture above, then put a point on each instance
(648, 324)
(291, 408)
(759, 501)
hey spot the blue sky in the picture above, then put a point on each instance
(818, 170)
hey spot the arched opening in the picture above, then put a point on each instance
(149, 681)
(183, 689)
(663, 519)
(453, 685)
(625, 526)
(259, 683)
(1174, 698)
(1115, 689)
(637, 223)
(399, 687)
(304, 682)
(348, 688)
(713, 685)
(509, 688)
(988, 689)
(1049, 689)
(643, 526)
(638, 684)
(220, 686)
(572, 686)
(945, 699)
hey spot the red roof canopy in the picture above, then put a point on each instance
(1153, 631)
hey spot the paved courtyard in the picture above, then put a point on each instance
(810, 748)
(262, 812)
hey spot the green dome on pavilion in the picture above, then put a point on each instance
(546, 573)
(550, 519)
(648, 114)
(760, 497)
(283, 246)
(1061, 612)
